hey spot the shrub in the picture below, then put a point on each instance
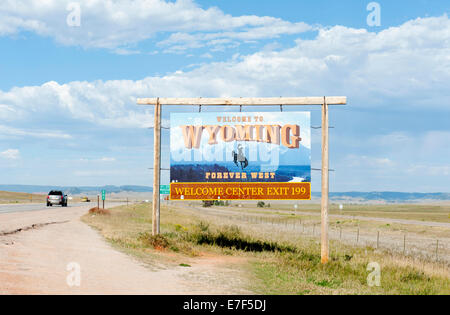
(207, 203)
(180, 228)
(203, 226)
(156, 241)
(231, 237)
(260, 204)
(99, 211)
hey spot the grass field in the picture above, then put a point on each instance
(16, 197)
(428, 239)
(419, 212)
(278, 262)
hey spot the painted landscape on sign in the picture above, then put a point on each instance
(240, 147)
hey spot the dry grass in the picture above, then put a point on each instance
(7, 197)
(420, 239)
(280, 262)
(418, 212)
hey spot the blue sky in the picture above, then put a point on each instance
(67, 93)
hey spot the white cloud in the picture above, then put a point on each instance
(99, 173)
(419, 146)
(10, 154)
(400, 161)
(111, 103)
(6, 131)
(107, 159)
(103, 159)
(8, 112)
(273, 29)
(370, 68)
(207, 55)
(116, 24)
(359, 161)
(421, 170)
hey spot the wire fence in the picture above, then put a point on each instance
(408, 244)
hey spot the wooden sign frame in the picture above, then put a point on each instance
(324, 102)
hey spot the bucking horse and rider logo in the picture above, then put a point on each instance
(240, 157)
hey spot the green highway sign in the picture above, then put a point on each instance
(164, 189)
(103, 194)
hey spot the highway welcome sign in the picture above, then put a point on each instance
(240, 156)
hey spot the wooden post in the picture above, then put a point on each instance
(325, 185)
(156, 168)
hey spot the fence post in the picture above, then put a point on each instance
(378, 239)
(404, 244)
(357, 237)
(437, 248)
(340, 232)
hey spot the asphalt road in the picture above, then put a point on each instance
(7, 208)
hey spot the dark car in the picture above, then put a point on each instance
(56, 197)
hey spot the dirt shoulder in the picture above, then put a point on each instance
(37, 247)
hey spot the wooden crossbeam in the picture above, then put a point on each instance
(247, 101)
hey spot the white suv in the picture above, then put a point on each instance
(56, 197)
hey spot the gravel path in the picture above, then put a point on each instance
(37, 247)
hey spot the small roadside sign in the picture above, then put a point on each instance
(164, 189)
(103, 194)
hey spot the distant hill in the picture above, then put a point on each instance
(75, 190)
